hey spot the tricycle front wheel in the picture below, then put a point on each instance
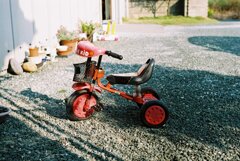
(80, 105)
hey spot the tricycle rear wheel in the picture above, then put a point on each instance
(154, 114)
(148, 93)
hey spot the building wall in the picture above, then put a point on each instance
(119, 10)
(137, 10)
(178, 7)
(196, 8)
(36, 21)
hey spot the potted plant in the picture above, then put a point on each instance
(89, 28)
(66, 38)
(33, 50)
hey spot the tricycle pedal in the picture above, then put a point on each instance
(65, 100)
(98, 107)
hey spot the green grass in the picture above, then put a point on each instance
(171, 20)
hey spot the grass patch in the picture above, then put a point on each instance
(62, 91)
(171, 20)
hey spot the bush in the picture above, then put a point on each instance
(224, 6)
(210, 13)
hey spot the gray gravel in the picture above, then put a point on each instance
(197, 74)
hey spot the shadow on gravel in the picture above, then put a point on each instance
(5, 78)
(25, 144)
(203, 106)
(19, 142)
(218, 43)
(54, 107)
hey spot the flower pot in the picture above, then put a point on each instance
(33, 52)
(35, 59)
(4, 113)
(62, 48)
(71, 45)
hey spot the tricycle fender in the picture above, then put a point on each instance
(88, 86)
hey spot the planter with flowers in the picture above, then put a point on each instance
(68, 40)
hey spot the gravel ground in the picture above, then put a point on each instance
(197, 74)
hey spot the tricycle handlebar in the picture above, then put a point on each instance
(114, 55)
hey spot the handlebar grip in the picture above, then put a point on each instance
(114, 55)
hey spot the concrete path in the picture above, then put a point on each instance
(153, 28)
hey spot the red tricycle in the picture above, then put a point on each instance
(84, 102)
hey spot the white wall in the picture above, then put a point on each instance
(22, 25)
(33, 21)
(6, 37)
(119, 10)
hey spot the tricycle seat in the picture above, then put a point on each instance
(141, 76)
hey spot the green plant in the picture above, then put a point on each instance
(210, 13)
(64, 34)
(89, 28)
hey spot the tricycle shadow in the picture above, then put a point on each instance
(120, 116)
